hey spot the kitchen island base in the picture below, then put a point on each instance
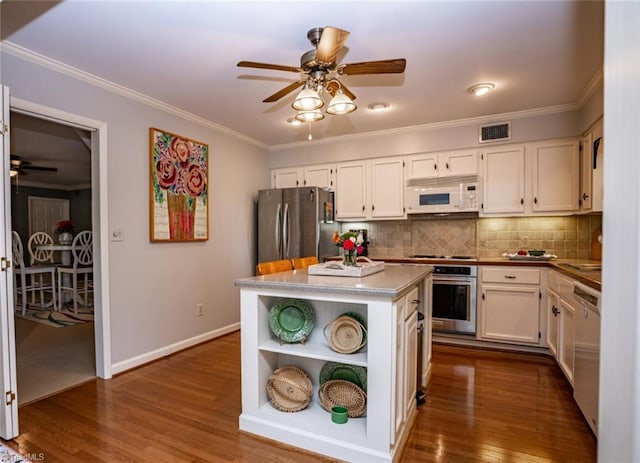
(389, 302)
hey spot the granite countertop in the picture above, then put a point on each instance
(593, 279)
(391, 282)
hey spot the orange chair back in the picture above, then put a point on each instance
(274, 266)
(304, 262)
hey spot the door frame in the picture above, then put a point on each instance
(99, 219)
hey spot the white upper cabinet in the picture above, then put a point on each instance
(320, 175)
(370, 189)
(556, 167)
(503, 180)
(530, 179)
(288, 177)
(591, 169)
(463, 162)
(351, 190)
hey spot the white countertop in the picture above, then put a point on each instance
(391, 282)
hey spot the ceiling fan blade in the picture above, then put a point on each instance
(279, 94)
(389, 66)
(41, 168)
(331, 42)
(333, 86)
(275, 67)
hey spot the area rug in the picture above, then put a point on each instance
(60, 319)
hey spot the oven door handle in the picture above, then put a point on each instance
(452, 280)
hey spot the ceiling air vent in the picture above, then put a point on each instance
(495, 132)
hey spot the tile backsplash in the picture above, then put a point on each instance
(567, 237)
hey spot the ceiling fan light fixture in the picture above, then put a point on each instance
(13, 172)
(307, 100)
(293, 121)
(481, 89)
(310, 116)
(341, 104)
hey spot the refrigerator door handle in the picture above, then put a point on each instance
(285, 231)
(278, 225)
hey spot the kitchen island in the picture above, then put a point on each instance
(389, 302)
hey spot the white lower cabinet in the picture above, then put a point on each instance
(553, 322)
(567, 339)
(510, 305)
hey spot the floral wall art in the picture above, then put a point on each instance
(179, 178)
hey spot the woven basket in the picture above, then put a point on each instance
(347, 335)
(338, 392)
(289, 389)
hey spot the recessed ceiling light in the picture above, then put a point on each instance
(481, 89)
(378, 106)
(293, 121)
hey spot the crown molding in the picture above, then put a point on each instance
(58, 66)
(596, 82)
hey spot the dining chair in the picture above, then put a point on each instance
(304, 262)
(77, 278)
(40, 256)
(274, 266)
(34, 279)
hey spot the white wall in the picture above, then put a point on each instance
(155, 287)
(619, 416)
(454, 135)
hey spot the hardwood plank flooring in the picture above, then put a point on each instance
(481, 406)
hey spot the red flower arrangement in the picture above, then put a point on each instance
(64, 226)
(351, 243)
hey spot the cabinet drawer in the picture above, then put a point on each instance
(413, 301)
(511, 275)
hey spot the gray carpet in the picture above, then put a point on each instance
(51, 359)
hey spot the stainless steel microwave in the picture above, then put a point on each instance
(425, 196)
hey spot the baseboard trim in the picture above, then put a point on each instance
(148, 357)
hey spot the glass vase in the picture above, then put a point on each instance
(65, 238)
(349, 258)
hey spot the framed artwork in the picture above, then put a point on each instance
(179, 173)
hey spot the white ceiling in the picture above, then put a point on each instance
(539, 54)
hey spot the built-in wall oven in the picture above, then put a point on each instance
(454, 299)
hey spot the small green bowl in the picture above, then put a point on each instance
(536, 252)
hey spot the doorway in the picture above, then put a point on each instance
(89, 343)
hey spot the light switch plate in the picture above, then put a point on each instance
(117, 235)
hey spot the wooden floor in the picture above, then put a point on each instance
(481, 407)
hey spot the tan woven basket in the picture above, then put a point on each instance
(347, 335)
(289, 389)
(339, 392)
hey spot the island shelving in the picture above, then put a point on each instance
(389, 301)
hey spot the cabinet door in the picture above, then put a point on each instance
(422, 165)
(458, 163)
(553, 322)
(586, 172)
(320, 176)
(555, 176)
(411, 362)
(351, 193)
(510, 313)
(503, 180)
(567, 339)
(290, 177)
(398, 385)
(387, 188)
(598, 171)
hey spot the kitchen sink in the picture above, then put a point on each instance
(585, 267)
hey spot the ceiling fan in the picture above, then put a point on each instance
(20, 166)
(321, 68)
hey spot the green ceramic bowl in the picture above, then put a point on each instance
(536, 252)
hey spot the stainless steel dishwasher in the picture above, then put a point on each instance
(586, 374)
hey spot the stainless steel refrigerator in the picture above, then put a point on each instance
(295, 222)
